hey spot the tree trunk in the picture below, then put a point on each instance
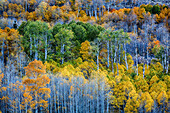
(125, 56)
(45, 47)
(143, 61)
(108, 56)
(62, 52)
(35, 45)
(30, 46)
(136, 58)
(111, 52)
(167, 61)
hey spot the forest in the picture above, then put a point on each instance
(84, 56)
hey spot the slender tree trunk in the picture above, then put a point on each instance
(2, 51)
(35, 45)
(136, 58)
(143, 61)
(92, 12)
(163, 65)
(108, 55)
(95, 12)
(147, 53)
(167, 61)
(108, 6)
(30, 46)
(45, 47)
(62, 52)
(97, 98)
(119, 53)
(111, 52)
(115, 50)
(54, 91)
(125, 56)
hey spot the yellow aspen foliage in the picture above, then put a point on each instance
(140, 12)
(162, 98)
(35, 69)
(140, 70)
(31, 2)
(125, 78)
(154, 95)
(121, 69)
(121, 92)
(99, 74)
(158, 87)
(87, 67)
(112, 83)
(153, 80)
(146, 101)
(132, 104)
(67, 71)
(118, 79)
(85, 49)
(35, 82)
(168, 94)
(130, 61)
(167, 81)
(141, 84)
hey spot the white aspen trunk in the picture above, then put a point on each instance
(86, 9)
(65, 105)
(2, 51)
(100, 14)
(62, 52)
(108, 56)
(143, 61)
(97, 98)
(125, 56)
(117, 67)
(62, 98)
(20, 63)
(97, 61)
(163, 61)
(54, 91)
(45, 47)
(147, 53)
(95, 12)
(58, 96)
(107, 103)
(26, 108)
(19, 101)
(30, 46)
(111, 52)
(78, 12)
(26, 6)
(35, 45)
(108, 8)
(102, 97)
(115, 50)
(136, 58)
(147, 58)
(73, 99)
(92, 12)
(119, 53)
(167, 52)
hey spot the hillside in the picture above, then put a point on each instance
(84, 56)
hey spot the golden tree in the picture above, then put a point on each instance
(35, 81)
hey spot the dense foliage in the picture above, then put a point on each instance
(82, 56)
